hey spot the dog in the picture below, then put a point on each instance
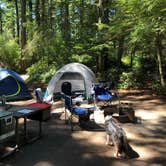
(117, 136)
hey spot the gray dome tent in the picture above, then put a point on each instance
(79, 75)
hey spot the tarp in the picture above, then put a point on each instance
(80, 76)
(12, 86)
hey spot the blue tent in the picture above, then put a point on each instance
(13, 86)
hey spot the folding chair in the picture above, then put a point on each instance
(103, 95)
(80, 112)
(66, 88)
(39, 95)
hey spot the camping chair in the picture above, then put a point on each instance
(39, 95)
(66, 88)
(75, 110)
(103, 95)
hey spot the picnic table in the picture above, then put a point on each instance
(33, 111)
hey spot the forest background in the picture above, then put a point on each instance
(122, 41)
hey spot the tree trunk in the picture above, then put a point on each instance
(132, 53)
(81, 15)
(37, 12)
(1, 29)
(159, 56)
(100, 11)
(120, 51)
(65, 26)
(43, 16)
(13, 23)
(23, 23)
(17, 22)
(103, 17)
(50, 14)
(103, 11)
(30, 10)
(65, 23)
(23, 32)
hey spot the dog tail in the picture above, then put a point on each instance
(128, 150)
(123, 146)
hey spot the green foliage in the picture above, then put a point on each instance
(9, 51)
(126, 60)
(134, 79)
(69, 31)
(40, 72)
(126, 80)
(34, 46)
(113, 76)
(46, 47)
(100, 47)
(158, 89)
(81, 58)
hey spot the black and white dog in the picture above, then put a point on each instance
(116, 136)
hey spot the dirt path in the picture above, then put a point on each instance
(61, 147)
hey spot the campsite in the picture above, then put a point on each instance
(82, 82)
(60, 146)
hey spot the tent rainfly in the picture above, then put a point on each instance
(12, 86)
(79, 75)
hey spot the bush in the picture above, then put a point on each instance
(9, 52)
(126, 80)
(41, 72)
(113, 77)
(158, 89)
(132, 80)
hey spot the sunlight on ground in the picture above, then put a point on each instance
(147, 115)
(138, 143)
(97, 141)
(150, 116)
(96, 138)
(145, 153)
(131, 135)
(44, 163)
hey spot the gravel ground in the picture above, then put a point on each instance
(61, 147)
